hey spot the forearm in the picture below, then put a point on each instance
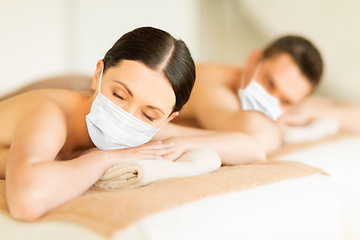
(234, 148)
(175, 130)
(351, 118)
(347, 114)
(46, 185)
(262, 129)
(259, 127)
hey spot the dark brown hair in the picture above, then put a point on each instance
(303, 52)
(159, 51)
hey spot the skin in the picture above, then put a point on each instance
(44, 132)
(214, 103)
(55, 130)
(313, 108)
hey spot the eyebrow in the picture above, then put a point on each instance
(130, 93)
(125, 86)
(155, 108)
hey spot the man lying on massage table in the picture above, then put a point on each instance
(270, 90)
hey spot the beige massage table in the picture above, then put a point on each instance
(306, 205)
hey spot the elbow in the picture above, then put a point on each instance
(270, 141)
(264, 131)
(26, 203)
(25, 210)
(251, 152)
(258, 153)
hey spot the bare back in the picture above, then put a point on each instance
(215, 87)
(20, 112)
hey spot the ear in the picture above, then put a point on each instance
(250, 65)
(172, 116)
(253, 58)
(96, 77)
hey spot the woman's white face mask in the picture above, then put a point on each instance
(111, 127)
(255, 97)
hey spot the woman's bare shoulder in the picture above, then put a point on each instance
(24, 111)
(29, 104)
(36, 97)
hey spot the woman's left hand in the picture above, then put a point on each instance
(180, 145)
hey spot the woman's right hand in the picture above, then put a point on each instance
(147, 151)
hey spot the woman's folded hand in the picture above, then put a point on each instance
(147, 151)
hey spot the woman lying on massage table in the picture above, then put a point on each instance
(140, 85)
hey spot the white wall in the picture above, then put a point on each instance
(227, 36)
(41, 38)
(31, 42)
(101, 23)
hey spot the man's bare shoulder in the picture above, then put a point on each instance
(226, 74)
(218, 66)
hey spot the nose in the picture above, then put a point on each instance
(129, 109)
(275, 94)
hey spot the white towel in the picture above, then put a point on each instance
(316, 130)
(138, 173)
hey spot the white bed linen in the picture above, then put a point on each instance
(301, 208)
(341, 159)
(11, 229)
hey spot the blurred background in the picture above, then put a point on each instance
(42, 38)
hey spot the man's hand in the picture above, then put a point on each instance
(311, 109)
(297, 117)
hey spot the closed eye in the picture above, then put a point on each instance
(118, 96)
(148, 117)
(270, 84)
(285, 102)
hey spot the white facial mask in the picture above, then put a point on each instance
(111, 127)
(255, 97)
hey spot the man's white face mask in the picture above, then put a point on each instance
(111, 127)
(255, 97)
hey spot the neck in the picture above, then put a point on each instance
(77, 127)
